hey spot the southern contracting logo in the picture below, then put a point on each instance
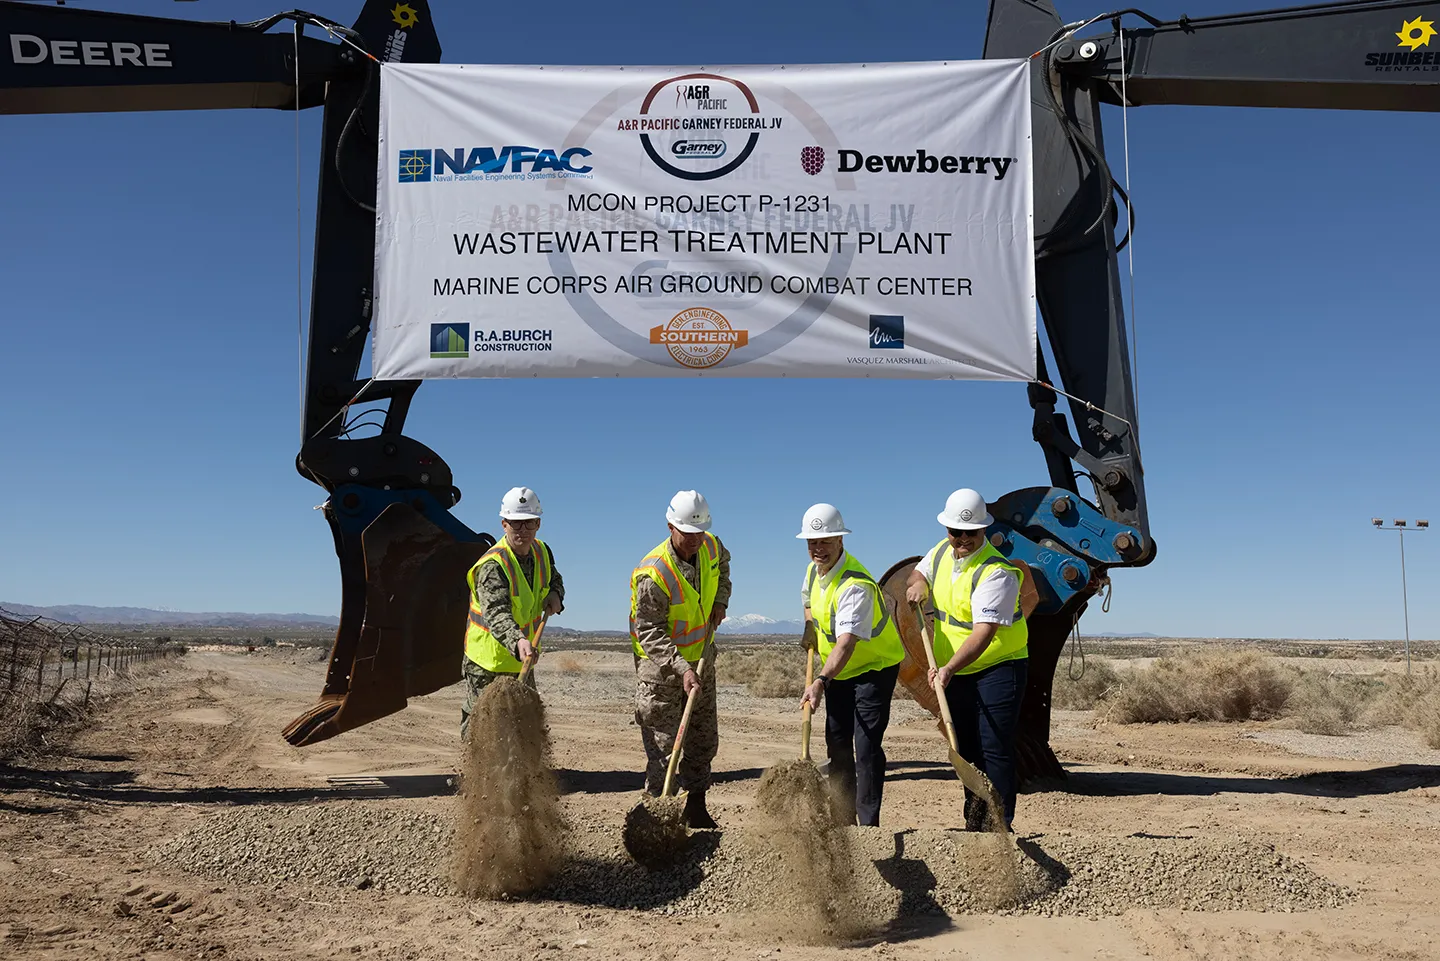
(705, 103)
(1413, 35)
(699, 337)
(887, 332)
(405, 17)
(449, 340)
(512, 162)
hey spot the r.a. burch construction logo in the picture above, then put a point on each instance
(699, 337)
(449, 340)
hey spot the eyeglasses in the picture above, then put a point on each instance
(977, 532)
(530, 525)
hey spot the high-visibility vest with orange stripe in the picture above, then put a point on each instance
(882, 649)
(527, 599)
(954, 620)
(689, 609)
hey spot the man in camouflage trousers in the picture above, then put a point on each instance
(678, 594)
(513, 588)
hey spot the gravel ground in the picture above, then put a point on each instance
(363, 845)
(1385, 745)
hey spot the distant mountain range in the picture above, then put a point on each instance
(759, 624)
(87, 614)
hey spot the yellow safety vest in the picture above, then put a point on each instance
(953, 618)
(689, 609)
(527, 599)
(883, 648)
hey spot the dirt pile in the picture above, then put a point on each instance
(510, 829)
(358, 844)
(655, 833)
(796, 847)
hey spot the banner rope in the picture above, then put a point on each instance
(1088, 406)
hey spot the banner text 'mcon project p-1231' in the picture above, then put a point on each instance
(848, 220)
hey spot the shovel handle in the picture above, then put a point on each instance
(528, 664)
(939, 690)
(690, 700)
(806, 711)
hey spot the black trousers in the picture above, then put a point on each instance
(986, 709)
(857, 711)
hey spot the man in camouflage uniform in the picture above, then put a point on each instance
(505, 583)
(678, 595)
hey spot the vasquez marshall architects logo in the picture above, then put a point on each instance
(887, 332)
(699, 337)
(1413, 34)
(514, 162)
(707, 109)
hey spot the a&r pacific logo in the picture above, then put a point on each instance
(887, 332)
(449, 340)
(699, 337)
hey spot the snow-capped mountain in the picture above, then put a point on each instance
(759, 624)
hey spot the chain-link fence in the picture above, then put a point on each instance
(51, 671)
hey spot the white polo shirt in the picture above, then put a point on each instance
(854, 611)
(993, 599)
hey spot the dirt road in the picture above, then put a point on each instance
(180, 825)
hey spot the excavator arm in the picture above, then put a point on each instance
(1377, 55)
(402, 553)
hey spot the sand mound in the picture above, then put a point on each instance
(654, 832)
(393, 847)
(805, 859)
(510, 830)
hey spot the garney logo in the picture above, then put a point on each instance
(449, 340)
(887, 332)
(488, 163)
(704, 102)
(699, 337)
(1413, 35)
(698, 149)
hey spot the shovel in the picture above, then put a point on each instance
(528, 664)
(969, 775)
(655, 832)
(807, 710)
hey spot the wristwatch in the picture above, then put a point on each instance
(824, 682)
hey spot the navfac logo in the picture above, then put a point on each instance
(513, 162)
(415, 166)
(449, 340)
(887, 332)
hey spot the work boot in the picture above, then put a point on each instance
(695, 814)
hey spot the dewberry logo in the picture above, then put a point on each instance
(812, 160)
(887, 332)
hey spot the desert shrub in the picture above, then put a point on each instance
(1412, 701)
(1325, 703)
(768, 673)
(1208, 685)
(1096, 680)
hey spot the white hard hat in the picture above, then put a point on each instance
(822, 520)
(689, 512)
(520, 504)
(965, 511)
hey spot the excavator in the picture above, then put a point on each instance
(403, 555)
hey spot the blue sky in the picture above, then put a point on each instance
(1287, 302)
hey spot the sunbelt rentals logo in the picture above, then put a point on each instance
(1409, 58)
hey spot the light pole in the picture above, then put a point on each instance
(1399, 527)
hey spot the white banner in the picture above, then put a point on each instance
(869, 220)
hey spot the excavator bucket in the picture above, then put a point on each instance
(411, 637)
(914, 670)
